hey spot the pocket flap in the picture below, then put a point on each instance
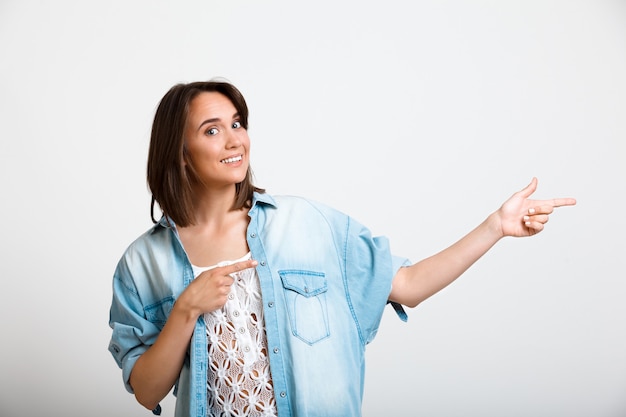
(306, 283)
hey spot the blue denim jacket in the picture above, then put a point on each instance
(325, 282)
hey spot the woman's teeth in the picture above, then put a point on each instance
(231, 160)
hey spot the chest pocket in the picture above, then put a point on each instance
(158, 312)
(305, 297)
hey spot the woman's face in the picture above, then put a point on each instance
(217, 145)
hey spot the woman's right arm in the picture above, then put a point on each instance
(156, 371)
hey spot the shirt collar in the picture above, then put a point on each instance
(262, 198)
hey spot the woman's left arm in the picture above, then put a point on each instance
(518, 216)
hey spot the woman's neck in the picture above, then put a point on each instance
(219, 232)
(215, 205)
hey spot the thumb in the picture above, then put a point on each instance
(530, 188)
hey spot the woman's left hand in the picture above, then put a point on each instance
(520, 216)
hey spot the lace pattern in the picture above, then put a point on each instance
(238, 376)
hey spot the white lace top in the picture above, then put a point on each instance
(238, 375)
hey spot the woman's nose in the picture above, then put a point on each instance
(232, 140)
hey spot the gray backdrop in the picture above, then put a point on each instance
(417, 118)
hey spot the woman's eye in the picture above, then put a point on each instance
(212, 131)
(236, 125)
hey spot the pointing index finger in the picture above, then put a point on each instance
(239, 266)
(551, 204)
(560, 202)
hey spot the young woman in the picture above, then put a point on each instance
(253, 305)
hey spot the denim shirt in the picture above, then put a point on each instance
(325, 282)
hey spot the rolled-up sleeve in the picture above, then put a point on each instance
(132, 333)
(369, 271)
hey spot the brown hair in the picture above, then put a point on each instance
(169, 179)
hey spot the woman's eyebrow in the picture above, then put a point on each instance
(214, 120)
(207, 121)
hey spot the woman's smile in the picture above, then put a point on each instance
(232, 160)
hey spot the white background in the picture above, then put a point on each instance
(418, 118)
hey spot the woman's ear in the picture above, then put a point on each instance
(185, 158)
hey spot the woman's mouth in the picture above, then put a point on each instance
(231, 160)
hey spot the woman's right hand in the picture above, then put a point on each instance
(157, 370)
(209, 291)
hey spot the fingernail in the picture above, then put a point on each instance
(531, 211)
(527, 224)
(526, 218)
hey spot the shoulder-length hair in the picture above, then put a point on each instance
(169, 178)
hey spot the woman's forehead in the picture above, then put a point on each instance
(210, 105)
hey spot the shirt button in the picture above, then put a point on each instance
(231, 296)
(252, 235)
(247, 349)
(270, 304)
(262, 263)
(236, 313)
(283, 394)
(242, 330)
(276, 350)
